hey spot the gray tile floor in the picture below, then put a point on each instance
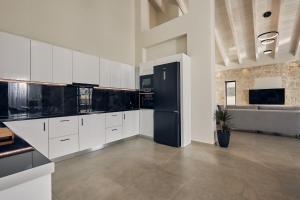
(254, 167)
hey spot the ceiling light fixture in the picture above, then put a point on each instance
(268, 35)
(267, 41)
(267, 14)
(266, 52)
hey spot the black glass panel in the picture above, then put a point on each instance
(131, 100)
(115, 101)
(99, 100)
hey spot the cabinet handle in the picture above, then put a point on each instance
(44, 126)
(64, 140)
(81, 121)
(65, 120)
(114, 129)
(114, 115)
(124, 116)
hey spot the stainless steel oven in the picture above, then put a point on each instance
(84, 97)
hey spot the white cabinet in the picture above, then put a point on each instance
(62, 146)
(105, 72)
(113, 119)
(128, 76)
(14, 57)
(63, 126)
(147, 123)
(91, 131)
(116, 75)
(85, 68)
(113, 134)
(35, 132)
(63, 136)
(62, 65)
(131, 120)
(41, 61)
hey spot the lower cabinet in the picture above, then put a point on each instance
(63, 136)
(62, 146)
(56, 137)
(35, 132)
(147, 122)
(91, 131)
(131, 120)
(113, 134)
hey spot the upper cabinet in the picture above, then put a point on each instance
(25, 59)
(62, 65)
(128, 76)
(85, 68)
(116, 75)
(105, 72)
(14, 57)
(41, 61)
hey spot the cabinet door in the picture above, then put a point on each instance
(14, 57)
(63, 146)
(41, 61)
(85, 68)
(63, 126)
(113, 134)
(131, 123)
(128, 76)
(147, 123)
(62, 65)
(105, 73)
(35, 132)
(113, 119)
(91, 131)
(115, 75)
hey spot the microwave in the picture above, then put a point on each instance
(146, 83)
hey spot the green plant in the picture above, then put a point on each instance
(223, 118)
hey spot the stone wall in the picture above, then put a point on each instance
(245, 79)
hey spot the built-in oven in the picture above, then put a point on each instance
(84, 97)
(146, 92)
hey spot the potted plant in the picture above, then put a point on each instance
(223, 119)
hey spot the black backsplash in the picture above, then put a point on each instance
(47, 100)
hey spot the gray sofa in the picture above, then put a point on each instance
(284, 120)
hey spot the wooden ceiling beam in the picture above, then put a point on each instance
(295, 44)
(183, 6)
(278, 7)
(221, 48)
(158, 5)
(256, 43)
(233, 29)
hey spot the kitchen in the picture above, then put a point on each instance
(54, 115)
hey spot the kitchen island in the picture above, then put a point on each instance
(24, 172)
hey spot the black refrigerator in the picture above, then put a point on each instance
(167, 120)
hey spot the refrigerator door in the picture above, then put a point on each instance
(167, 128)
(166, 82)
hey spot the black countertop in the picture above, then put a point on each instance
(29, 116)
(18, 157)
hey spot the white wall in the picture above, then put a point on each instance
(198, 25)
(99, 27)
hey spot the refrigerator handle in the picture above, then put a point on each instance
(164, 75)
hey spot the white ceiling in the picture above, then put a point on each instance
(239, 22)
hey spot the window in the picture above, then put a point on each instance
(230, 92)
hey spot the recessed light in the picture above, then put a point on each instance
(267, 41)
(268, 35)
(266, 52)
(267, 14)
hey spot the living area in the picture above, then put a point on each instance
(262, 99)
